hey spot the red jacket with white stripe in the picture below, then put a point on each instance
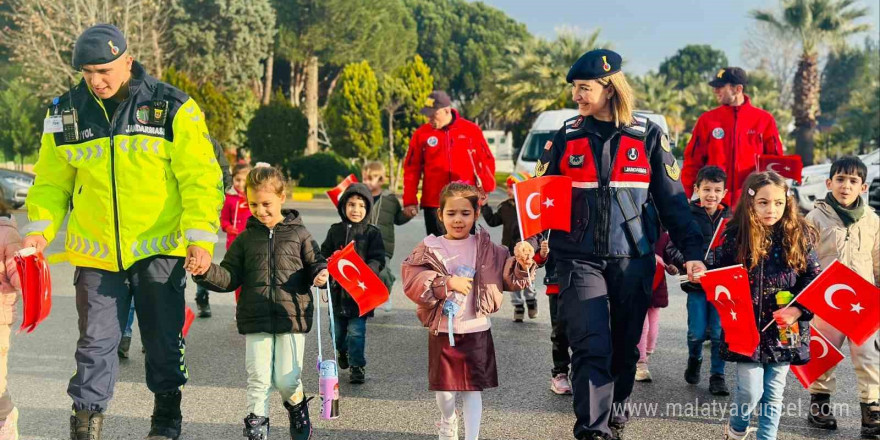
(452, 153)
(730, 138)
(234, 215)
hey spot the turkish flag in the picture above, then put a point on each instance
(856, 312)
(728, 290)
(188, 317)
(36, 288)
(659, 275)
(789, 166)
(543, 203)
(717, 237)
(823, 356)
(358, 279)
(337, 191)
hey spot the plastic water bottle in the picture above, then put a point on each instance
(788, 336)
(328, 389)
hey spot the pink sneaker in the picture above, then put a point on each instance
(560, 384)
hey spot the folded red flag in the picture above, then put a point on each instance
(659, 275)
(364, 286)
(337, 191)
(36, 288)
(543, 203)
(728, 290)
(188, 317)
(717, 237)
(789, 166)
(823, 356)
(857, 311)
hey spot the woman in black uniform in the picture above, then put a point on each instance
(625, 182)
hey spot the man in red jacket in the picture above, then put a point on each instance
(730, 136)
(446, 149)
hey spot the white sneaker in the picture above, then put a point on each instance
(730, 434)
(447, 429)
(9, 430)
(386, 306)
(560, 384)
(642, 373)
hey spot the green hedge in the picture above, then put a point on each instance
(320, 170)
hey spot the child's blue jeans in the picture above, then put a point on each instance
(351, 337)
(702, 316)
(761, 386)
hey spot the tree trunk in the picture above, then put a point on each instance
(391, 149)
(312, 105)
(806, 104)
(296, 83)
(267, 77)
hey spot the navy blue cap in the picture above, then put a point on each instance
(436, 100)
(730, 75)
(595, 64)
(99, 44)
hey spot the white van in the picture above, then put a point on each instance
(546, 126)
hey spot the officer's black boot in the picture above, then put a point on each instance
(166, 418)
(692, 374)
(202, 303)
(616, 430)
(300, 426)
(820, 415)
(124, 345)
(86, 425)
(256, 427)
(870, 420)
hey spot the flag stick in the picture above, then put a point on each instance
(799, 294)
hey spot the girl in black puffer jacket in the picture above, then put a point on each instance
(274, 261)
(351, 329)
(770, 238)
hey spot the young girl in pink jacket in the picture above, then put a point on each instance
(469, 271)
(10, 286)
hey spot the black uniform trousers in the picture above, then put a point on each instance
(603, 303)
(558, 339)
(103, 300)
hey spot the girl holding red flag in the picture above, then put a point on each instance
(770, 237)
(443, 278)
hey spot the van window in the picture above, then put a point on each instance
(534, 144)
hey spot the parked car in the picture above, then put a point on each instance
(14, 186)
(812, 186)
(548, 123)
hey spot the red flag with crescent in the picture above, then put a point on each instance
(337, 190)
(790, 166)
(728, 290)
(543, 203)
(357, 278)
(845, 300)
(823, 356)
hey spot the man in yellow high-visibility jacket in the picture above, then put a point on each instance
(130, 158)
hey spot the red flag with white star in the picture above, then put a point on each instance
(790, 166)
(352, 273)
(823, 356)
(845, 300)
(337, 190)
(543, 203)
(728, 290)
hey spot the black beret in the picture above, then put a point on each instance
(99, 44)
(595, 64)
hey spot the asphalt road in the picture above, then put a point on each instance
(395, 403)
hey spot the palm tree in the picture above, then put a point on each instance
(814, 23)
(655, 94)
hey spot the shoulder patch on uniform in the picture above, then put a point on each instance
(541, 168)
(673, 171)
(664, 143)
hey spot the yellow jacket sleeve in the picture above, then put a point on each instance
(49, 199)
(198, 177)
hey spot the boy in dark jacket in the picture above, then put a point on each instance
(385, 214)
(506, 216)
(354, 208)
(708, 211)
